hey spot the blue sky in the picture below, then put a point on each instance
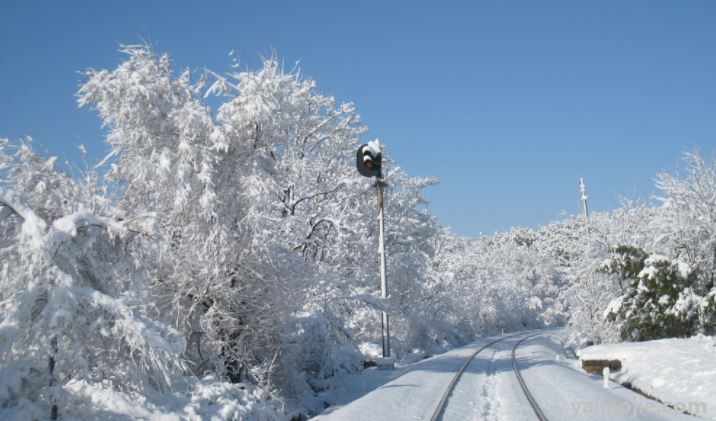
(506, 102)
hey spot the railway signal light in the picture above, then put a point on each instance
(369, 159)
(368, 162)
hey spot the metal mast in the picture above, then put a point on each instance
(385, 323)
(584, 197)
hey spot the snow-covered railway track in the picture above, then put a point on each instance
(523, 385)
(501, 378)
(437, 414)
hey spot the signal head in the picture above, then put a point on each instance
(368, 161)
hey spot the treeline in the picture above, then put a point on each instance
(239, 243)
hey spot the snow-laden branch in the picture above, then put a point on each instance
(12, 208)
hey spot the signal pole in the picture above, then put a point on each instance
(584, 197)
(369, 159)
(385, 323)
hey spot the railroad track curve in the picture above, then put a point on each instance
(442, 404)
(528, 395)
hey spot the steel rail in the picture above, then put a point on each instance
(443, 401)
(528, 395)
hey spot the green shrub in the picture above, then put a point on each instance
(658, 301)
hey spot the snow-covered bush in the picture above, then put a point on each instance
(656, 303)
(75, 303)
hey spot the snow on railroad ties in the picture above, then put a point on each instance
(489, 388)
(681, 372)
(413, 394)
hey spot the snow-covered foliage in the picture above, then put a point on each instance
(581, 272)
(266, 236)
(658, 302)
(74, 295)
(238, 245)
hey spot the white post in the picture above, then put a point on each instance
(584, 197)
(385, 323)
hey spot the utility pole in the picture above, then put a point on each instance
(584, 197)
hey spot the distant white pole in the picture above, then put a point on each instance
(584, 197)
(385, 323)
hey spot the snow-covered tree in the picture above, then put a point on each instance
(265, 218)
(687, 226)
(75, 303)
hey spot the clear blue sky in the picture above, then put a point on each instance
(506, 102)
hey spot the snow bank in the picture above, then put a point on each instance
(207, 399)
(680, 372)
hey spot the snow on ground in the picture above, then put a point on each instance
(412, 394)
(207, 399)
(489, 390)
(353, 386)
(681, 372)
(567, 393)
